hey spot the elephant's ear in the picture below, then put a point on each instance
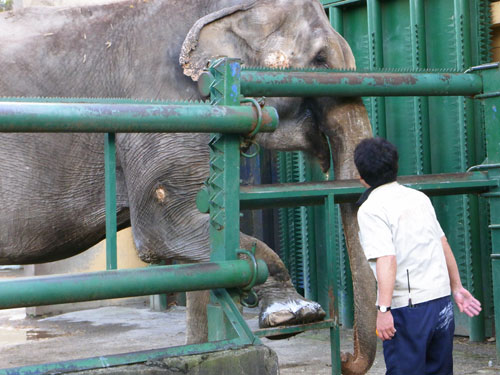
(198, 49)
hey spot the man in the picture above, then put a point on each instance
(414, 266)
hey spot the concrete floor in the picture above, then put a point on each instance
(127, 328)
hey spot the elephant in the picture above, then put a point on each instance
(52, 185)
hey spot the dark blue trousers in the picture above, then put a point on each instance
(423, 343)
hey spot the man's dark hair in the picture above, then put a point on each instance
(377, 161)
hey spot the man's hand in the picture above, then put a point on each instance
(385, 325)
(466, 302)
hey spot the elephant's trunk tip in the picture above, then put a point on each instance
(355, 365)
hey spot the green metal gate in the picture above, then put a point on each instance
(441, 134)
(434, 135)
(224, 193)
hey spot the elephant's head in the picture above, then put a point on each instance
(297, 33)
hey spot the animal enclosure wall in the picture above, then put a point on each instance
(434, 135)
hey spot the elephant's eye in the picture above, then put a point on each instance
(320, 60)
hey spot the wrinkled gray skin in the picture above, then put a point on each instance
(51, 186)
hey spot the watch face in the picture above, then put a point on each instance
(382, 308)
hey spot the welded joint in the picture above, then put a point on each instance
(482, 167)
(487, 95)
(493, 65)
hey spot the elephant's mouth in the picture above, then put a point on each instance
(318, 137)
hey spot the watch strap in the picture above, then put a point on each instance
(383, 308)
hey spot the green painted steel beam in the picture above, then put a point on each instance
(337, 3)
(376, 106)
(329, 289)
(234, 317)
(313, 193)
(420, 104)
(495, 269)
(110, 200)
(285, 330)
(127, 118)
(223, 189)
(107, 361)
(48, 290)
(324, 83)
(490, 105)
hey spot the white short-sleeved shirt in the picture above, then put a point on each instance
(396, 220)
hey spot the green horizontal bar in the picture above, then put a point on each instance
(126, 118)
(289, 83)
(491, 195)
(121, 359)
(48, 290)
(339, 2)
(314, 193)
(267, 332)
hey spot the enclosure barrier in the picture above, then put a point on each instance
(49, 290)
(313, 193)
(223, 191)
(350, 83)
(480, 83)
(124, 115)
(54, 117)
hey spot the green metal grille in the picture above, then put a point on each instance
(440, 134)
(294, 221)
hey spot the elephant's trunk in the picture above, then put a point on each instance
(346, 123)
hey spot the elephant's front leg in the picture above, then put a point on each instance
(196, 316)
(279, 302)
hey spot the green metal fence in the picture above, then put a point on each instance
(227, 328)
(224, 193)
(467, 230)
(440, 134)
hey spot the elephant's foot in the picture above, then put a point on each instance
(280, 304)
(288, 309)
(290, 312)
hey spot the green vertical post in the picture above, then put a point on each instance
(491, 107)
(332, 272)
(314, 173)
(224, 188)
(421, 103)
(110, 197)
(284, 241)
(376, 51)
(467, 145)
(336, 19)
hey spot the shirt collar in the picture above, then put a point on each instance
(384, 187)
(368, 192)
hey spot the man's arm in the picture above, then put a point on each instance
(465, 301)
(386, 277)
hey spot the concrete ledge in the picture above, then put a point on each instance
(252, 360)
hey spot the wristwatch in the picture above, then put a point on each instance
(383, 308)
